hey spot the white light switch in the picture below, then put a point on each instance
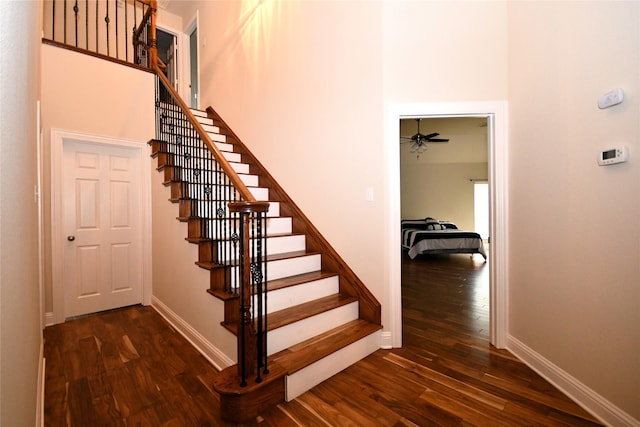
(369, 194)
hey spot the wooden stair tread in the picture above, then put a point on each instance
(276, 284)
(298, 279)
(302, 311)
(299, 356)
(290, 315)
(307, 352)
(272, 257)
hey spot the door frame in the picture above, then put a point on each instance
(178, 38)
(193, 25)
(58, 138)
(496, 114)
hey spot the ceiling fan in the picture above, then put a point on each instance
(419, 140)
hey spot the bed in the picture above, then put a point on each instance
(430, 236)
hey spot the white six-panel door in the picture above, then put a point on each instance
(101, 227)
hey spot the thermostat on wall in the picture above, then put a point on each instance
(612, 156)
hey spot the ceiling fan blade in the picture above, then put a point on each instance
(437, 140)
(431, 135)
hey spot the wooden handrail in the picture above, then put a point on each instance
(242, 189)
(143, 22)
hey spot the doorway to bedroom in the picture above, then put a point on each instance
(445, 178)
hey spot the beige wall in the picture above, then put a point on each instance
(575, 230)
(179, 285)
(20, 308)
(440, 190)
(87, 95)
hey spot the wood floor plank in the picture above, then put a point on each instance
(130, 367)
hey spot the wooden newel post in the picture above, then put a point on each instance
(247, 336)
(153, 43)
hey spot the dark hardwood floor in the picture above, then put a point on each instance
(128, 367)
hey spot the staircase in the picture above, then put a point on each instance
(321, 318)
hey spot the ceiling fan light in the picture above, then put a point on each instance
(418, 147)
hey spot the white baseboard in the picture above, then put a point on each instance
(204, 346)
(386, 340)
(49, 319)
(41, 379)
(591, 401)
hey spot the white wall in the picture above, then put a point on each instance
(20, 308)
(307, 101)
(88, 95)
(180, 287)
(440, 190)
(575, 229)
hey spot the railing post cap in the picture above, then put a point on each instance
(249, 207)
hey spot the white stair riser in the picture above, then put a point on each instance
(177, 126)
(202, 151)
(285, 267)
(273, 212)
(204, 120)
(284, 244)
(210, 129)
(195, 189)
(299, 294)
(314, 374)
(275, 245)
(249, 180)
(259, 193)
(274, 209)
(279, 225)
(239, 167)
(217, 137)
(289, 335)
(232, 157)
(199, 113)
(292, 266)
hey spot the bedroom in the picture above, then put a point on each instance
(443, 177)
(446, 181)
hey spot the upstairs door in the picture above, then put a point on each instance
(168, 53)
(193, 67)
(102, 227)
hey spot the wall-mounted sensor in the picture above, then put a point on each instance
(610, 99)
(613, 156)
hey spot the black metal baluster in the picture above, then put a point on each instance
(106, 20)
(64, 21)
(97, 20)
(256, 285)
(263, 262)
(136, 56)
(53, 20)
(243, 313)
(75, 11)
(86, 23)
(126, 33)
(117, 39)
(238, 222)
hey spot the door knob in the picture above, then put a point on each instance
(71, 238)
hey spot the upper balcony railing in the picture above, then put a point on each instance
(119, 30)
